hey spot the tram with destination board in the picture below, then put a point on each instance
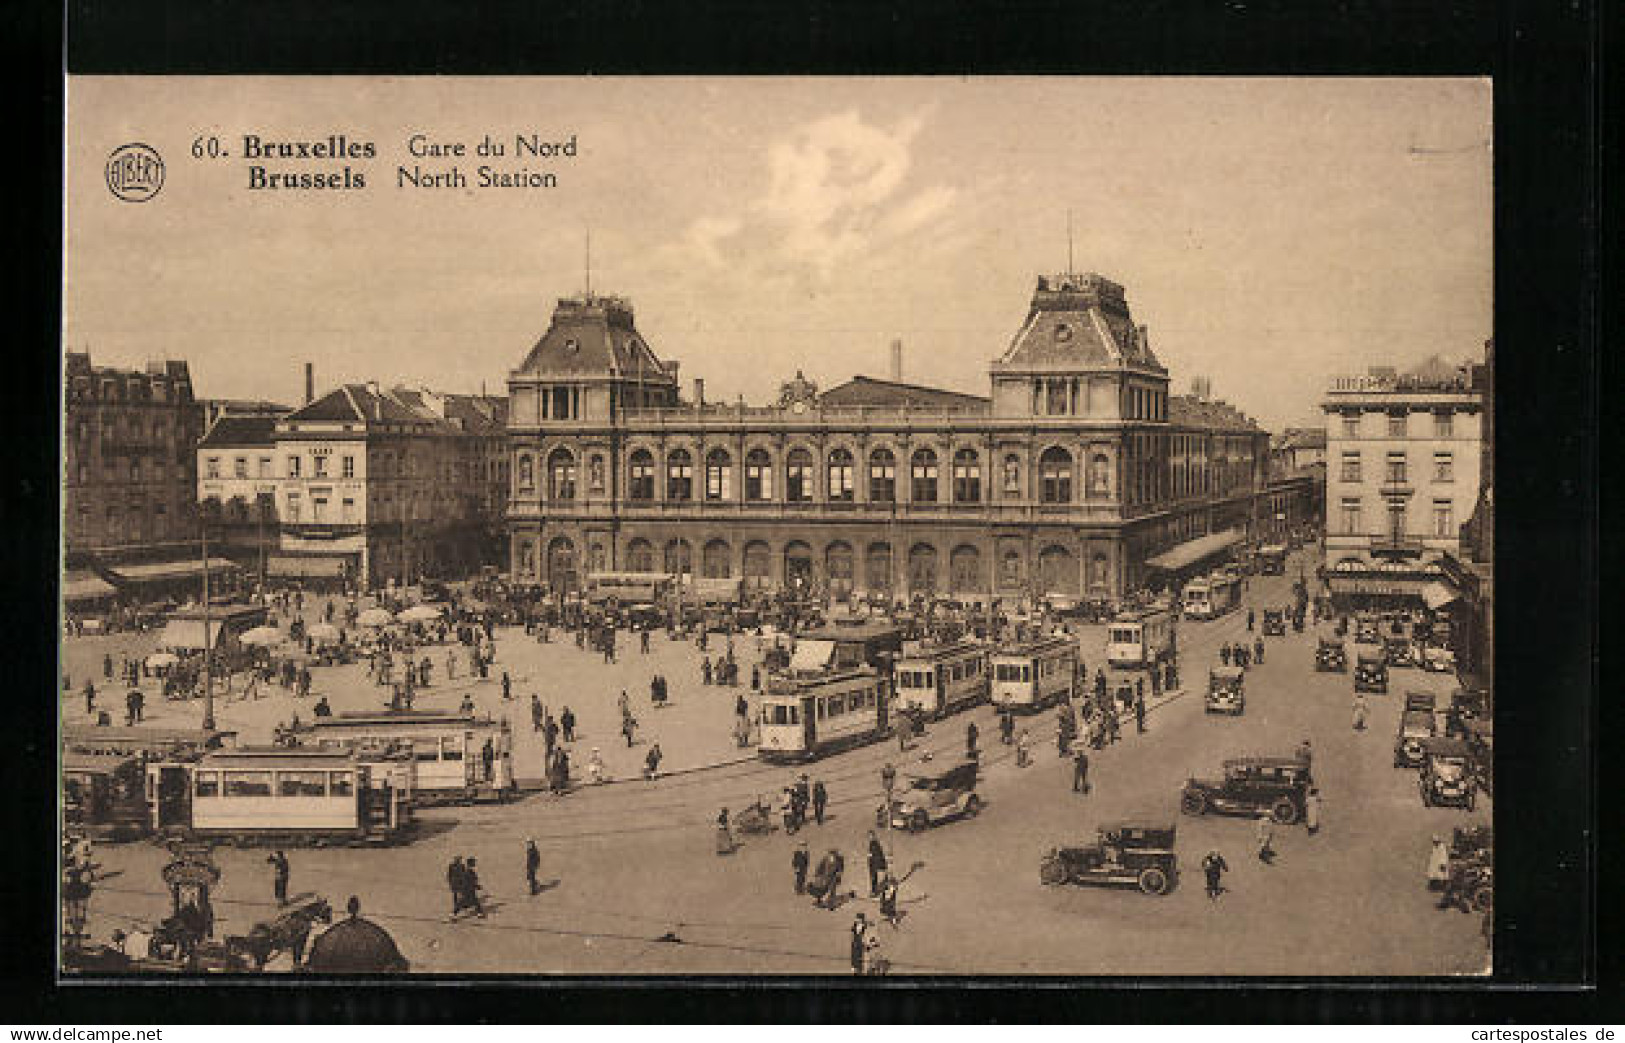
(1031, 675)
(807, 717)
(444, 752)
(940, 679)
(286, 796)
(1212, 596)
(1139, 639)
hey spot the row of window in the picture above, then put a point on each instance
(924, 476)
(134, 469)
(1444, 519)
(1398, 425)
(1444, 468)
(281, 783)
(128, 524)
(398, 465)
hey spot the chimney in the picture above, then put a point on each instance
(699, 392)
(897, 361)
(310, 382)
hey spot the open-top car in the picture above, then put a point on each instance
(1424, 701)
(1416, 729)
(928, 799)
(1401, 651)
(1469, 703)
(1274, 623)
(1371, 672)
(1138, 854)
(1331, 656)
(1446, 779)
(1472, 865)
(1365, 628)
(1226, 690)
(1251, 785)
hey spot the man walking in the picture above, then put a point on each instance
(507, 686)
(877, 863)
(970, 741)
(1249, 621)
(457, 882)
(1258, 650)
(799, 861)
(471, 887)
(1214, 867)
(1265, 835)
(860, 942)
(533, 864)
(820, 799)
(568, 721)
(279, 881)
(1139, 713)
(1080, 772)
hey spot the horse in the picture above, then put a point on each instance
(287, 933)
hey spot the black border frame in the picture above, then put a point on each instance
(1549, 99)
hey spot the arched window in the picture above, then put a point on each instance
(527, 473)
(719, 483)
(561, 475)
(798, 476)
(840, 476)
(967, 477)
(882, 476)
(924, 474)
(641, 476)
(758, 475)
(640, 556)
(1055, 476)
(1012, 476)
(716, 560)
(679, 557)
(679, 475)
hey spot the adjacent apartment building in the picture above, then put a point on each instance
(1404, 453)
(1078, 475)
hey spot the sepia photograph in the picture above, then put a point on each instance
(783, 526)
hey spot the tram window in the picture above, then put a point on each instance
(302, 783)
(428, 751)
(1026, 674)
(208, 784)
(821, 708)
(343, 783)
(450, 750)
(247, 783)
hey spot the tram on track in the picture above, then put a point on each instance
(807, 717)
(442, 754)
(1031, 675)
(142, 740)
(1140, 638)
(1212, 596)
(284, 796)
(940, 679)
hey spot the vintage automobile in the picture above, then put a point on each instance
(1331, 656)
(1469, 703)
(1370, 672)
(1416, 729)
(1446, 779)
(1226, 690)
(929, 799)
(1138, 854)
(1251, 785)
(1400, 650)
(1472, 866)
(1438, 660)
(1481, 744)
(1274, 623)
(1424, 701)
(1365, 628)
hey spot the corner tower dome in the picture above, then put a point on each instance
(1078, 322)
(594, 336)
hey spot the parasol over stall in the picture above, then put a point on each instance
(375, 617)
(162, 659)
(324, 633)
(420, 614)
(263, 637)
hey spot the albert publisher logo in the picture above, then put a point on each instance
(135, 172)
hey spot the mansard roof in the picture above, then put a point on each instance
(233, 431)
(593, 336)
(872, 391)
(1078, 322)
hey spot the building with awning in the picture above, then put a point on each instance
(170, 571)
(80, 587)
(190, 634)
(288, 567)
(1193, 552)
(1438, 595)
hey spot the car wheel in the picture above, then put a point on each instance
(1483, 898)
(1284, 811)
(919, 822)
(1051, 871)
(973, 804)
(1153, 881)
(1192, 803)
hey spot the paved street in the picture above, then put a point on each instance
(634, 862)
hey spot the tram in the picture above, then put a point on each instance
(142, 741)
(1272, 560)
(279, 795)
(940, 679)
(1140, 638)
(103, 795)
(807, 716)
(1032, 675)
(1212, 596)
(443, 752)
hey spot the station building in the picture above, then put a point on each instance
(1078, 475)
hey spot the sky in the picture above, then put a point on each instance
(1269, 233)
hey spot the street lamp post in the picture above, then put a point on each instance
(208, 672)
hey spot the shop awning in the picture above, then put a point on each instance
(1386, 586)
(1192, 551)
(811, 656)
(188, 633)
(84, 586)
(714, 591)
(312, 568)
(165, 571)
(1437, 595)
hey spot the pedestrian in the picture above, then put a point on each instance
(755, 677)
(741, 707)
(877, 863)
(1311, 810)
(279, 881)
(725, 836)
(643, 642)
(457, 881)
(1139, 713)
(1249, 621)
(1156, 680)
(107, 666)
(629, 726)
(536, 713)
(820, 800)
(624, 704)
(1224, 654)
(860, 942)
(1361, 708)
(798, 861)
(888, 777)
(970, 741)
(1306, 756)
(888, 901)
(1258, 650)
(550, 735)
(1007, 727)
(533, 864)
(90, 691)
(1080, 772)
(651, 762)
(595, 766)
(1023, 749)
(1214, 867)
(488, 759)
(471, 887)
(1438, 864)
(1265, 835)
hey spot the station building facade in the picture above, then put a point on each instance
(1075, 469)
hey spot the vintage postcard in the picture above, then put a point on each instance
(777, 526)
